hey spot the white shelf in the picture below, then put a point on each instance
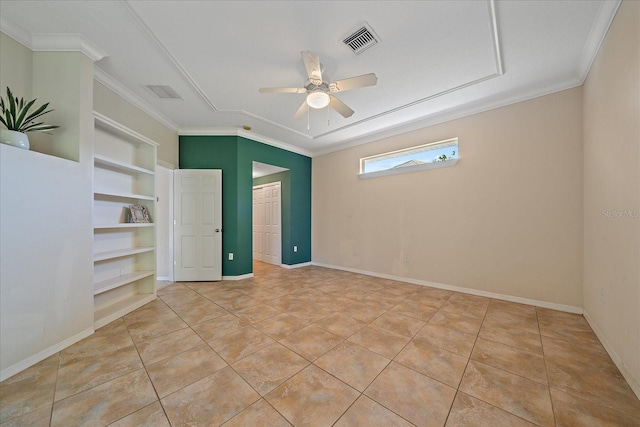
(116, 282)
(125, 167)
(102, 256)
(123, 195)
(123, 225)
(123, 175)
(118, 309)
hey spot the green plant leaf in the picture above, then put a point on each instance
(38, 127)
(20, 120)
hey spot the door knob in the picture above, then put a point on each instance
(218, 230)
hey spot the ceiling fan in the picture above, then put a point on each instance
(319, 92)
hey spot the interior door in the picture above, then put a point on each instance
(197, 238)
(267, 227)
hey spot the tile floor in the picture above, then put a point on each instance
(321, 347)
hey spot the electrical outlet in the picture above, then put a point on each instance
(295, 249)
(230, 256)
(406, 259)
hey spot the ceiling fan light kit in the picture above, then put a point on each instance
(319, 92)
(318, 100)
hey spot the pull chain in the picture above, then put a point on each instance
(308, 113)
(327, 115)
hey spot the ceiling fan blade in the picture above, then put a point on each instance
(303, 109)
(354, 83)
(340, 107)
(282, 90)
(312, 64)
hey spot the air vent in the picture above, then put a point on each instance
(164, 92)
(361, 39)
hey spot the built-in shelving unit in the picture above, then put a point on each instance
(124, 253)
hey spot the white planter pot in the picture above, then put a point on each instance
(17, 139)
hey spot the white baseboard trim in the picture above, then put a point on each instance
(633, 382)
(41, 355)
(504, 297)
(164, 279)
(292, 266)
(241, 277)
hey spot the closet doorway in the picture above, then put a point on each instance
(267, 223)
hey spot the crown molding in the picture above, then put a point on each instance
(44, 42)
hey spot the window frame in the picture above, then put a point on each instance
(414, 168)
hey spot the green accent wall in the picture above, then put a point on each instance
(234, 155)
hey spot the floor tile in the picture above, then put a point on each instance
(353, 364)
(340, 324)
(107, 339)
(184, 368)
(260, 414)
(413, 396)
(241, 343)
(522, 397)
(448, 339)
(105, 403)
(381, 341)
(210, 401)
(414, 309)
(599, 386)
(38, 418)
(149, 416)
(280, 326)
(366, 412)
(434, 362)
(510, 359)
(398, 323)
(513, 337)
(266, 369)
(88, 372)
(468, 411)
(219, 327)
(312, 398)
(571, 410)
(199, 312)
(29, 390)
(311, 342)
(144, 330)
(168, 345)
(459, 322)
(256, 313)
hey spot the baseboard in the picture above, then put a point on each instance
(510, 298)
(292, 266)
(40, 356)
(164, 279)
(633, 382)
(240, 277)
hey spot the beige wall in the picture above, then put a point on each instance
(116, 108)
(16, 73)
(612, 192)
(506, 219)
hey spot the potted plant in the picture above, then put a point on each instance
(18, 120)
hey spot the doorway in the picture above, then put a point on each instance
(267, 223)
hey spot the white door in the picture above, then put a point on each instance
(197, 234)
(267, 228)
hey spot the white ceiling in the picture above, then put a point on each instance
(436, 60)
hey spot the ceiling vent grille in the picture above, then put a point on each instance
(361, 39)
(164, 92)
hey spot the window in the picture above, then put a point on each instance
(427, 156)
